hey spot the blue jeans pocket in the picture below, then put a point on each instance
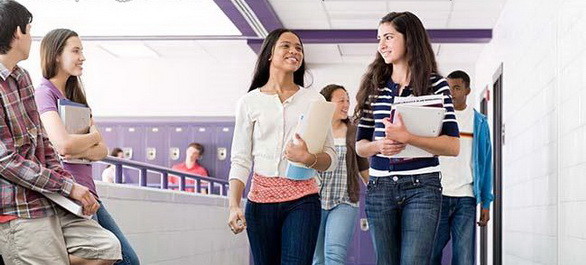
(428, 180)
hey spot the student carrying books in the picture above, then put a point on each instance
(61, 61)
(403, 197)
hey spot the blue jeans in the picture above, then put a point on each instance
(335, 233)
(458, 220)
(283, 233)
(129, 257)
(403, 214)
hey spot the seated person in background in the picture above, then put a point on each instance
(193, 153)
(109, 173)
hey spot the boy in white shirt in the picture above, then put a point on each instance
(466, 179)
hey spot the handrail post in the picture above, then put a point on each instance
(164, 181)
(182, 184)
(118, 177)
(143, 177)
(198, 186)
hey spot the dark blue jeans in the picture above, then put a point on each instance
(403, 214)
(283, 233)
(104, 218)
(458, 220)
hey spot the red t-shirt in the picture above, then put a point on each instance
(197, 169)
(7, 218)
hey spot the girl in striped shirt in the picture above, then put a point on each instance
(403, 198)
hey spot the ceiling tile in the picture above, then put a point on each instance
(358, 49)
(333, 6)
(322, 53)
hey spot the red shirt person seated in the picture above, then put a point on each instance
(193, 153)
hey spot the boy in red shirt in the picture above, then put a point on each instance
(193, 153)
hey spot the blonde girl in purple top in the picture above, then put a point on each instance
(62, 64)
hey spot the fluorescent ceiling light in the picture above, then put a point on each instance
(133, 18)
(129, 50)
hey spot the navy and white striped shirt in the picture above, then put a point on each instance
(371, 128)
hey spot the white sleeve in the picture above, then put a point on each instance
(241, 157)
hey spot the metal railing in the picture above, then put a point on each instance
(145, 168)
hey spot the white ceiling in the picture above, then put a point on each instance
(194, 17)
(133, 18)
(357, 14)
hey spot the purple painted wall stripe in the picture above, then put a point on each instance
(234, 15)
(265, 14)
(369, 36)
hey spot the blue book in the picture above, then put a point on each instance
(297, 172)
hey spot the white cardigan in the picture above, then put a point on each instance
(263, 128)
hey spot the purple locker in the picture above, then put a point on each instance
(179, 138)
(133, 143)
(364, 248)
(156, 149)
(223, 143)
(111, 134)
(203, 133)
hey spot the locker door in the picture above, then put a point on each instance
(224, 134)
(179, 137)
(156, 149)
(133, 142)
(363, 241)
(111, 134)
(204, 134)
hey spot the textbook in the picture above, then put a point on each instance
(66, 203)
(313, 128)
(76, 118)
(423, 116)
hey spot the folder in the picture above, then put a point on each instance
(67, 203)
(313, 128)
(76, 118)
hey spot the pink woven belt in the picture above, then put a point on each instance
(278, 189)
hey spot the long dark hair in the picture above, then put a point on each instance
(327, 92)
(420, 59)
(262, 69)
(52, 46)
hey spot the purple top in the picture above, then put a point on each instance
(46, 96)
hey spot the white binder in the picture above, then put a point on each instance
(313, 127)
(420, 121)
(76, 119)
(67, 203)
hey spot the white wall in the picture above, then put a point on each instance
(175, 228)
(542, 47)
(182, 82)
